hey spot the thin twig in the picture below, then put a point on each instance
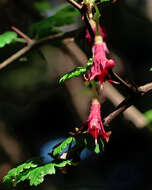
(27, 48)
(145, 88)
(16, 56)
(116, 98)
(75, 4)
(127, 102)
(28, 40)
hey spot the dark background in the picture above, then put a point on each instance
(35, 109)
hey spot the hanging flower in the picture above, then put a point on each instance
(94, 123)
(100, 66)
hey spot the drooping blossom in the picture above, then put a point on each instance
(100, 66)
(94, 123)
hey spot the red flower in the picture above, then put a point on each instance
(94, 123)
(100, 66)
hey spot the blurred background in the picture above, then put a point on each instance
(36, 112)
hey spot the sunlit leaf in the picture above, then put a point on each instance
(57, 150)
(12, 175)
(7, 38)
(97, 149)
(148, 115)
(78, 71)
(34, 173)
(74, 73)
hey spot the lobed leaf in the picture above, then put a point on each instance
(34, 174)
(7, 38)
(57, 150)
(10, 178)
(78, 71)
(74, 73)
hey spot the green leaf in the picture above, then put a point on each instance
(150, 69)
(90, 62)
(10, 178)
(104, 1)
(7, 38)
(49, 26)
(148, 115)
(77, 71)
(101, 144)
(97, 13)
(63, 164)
(57, 150)
(97, 149)
(65, 16)
(42, 6)
(74, 73)
(36, 175)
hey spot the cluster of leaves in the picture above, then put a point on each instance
(34, 170)
(50, 25)
(47, 26)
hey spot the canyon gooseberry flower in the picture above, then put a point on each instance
(100, 66)
(94, 123)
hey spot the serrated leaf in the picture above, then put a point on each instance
(78, 71)
(63, 164)
(36, 175)
(7, 38)
(10, 178)
(74, 73)
(49, 26)
(57, 150)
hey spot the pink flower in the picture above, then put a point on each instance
(100, 66)
(94, 123)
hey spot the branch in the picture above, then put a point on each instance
(75, 4)
(30, 44)
(110, 92)
(28, 40)
(142, 90)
